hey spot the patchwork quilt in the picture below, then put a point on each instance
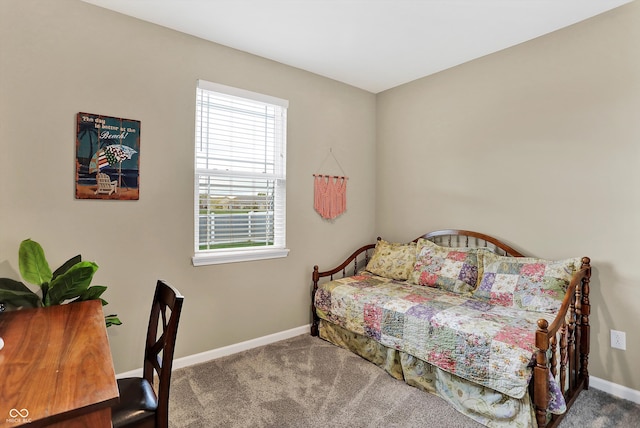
(489, 345)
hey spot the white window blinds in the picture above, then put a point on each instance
(240, 174)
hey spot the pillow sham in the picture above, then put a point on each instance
(452, 269)
(527, 283)
(392, 260)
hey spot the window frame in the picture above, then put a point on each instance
(232, 255)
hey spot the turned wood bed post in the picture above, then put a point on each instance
(315, 277)
(584, 312)
(571, 346)
(540, 374)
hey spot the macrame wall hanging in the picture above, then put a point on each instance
(330, 192)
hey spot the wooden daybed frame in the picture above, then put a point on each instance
(569, 332)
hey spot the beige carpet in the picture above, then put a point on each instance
(307, 382)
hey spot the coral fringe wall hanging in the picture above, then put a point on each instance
(330, 193)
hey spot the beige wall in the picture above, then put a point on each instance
(539, 145)
(64, 57)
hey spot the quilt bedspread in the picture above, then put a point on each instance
(485, 344)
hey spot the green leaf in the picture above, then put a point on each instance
(67, 265)
(71, 284)
(45, 293)
(112, 320)
(17, 294)
(92, 293)
(34, 267)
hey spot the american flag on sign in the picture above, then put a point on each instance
(110, 155)
(102, 159)
(118, 153)
(98, 161)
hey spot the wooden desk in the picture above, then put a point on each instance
(56, 366)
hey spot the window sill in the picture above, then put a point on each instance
(215, 257)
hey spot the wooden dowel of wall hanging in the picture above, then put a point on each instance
(334, 176)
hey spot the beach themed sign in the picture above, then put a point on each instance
(107, 157)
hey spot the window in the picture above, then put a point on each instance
(240, 175)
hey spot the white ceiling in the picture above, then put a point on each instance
(371, 44)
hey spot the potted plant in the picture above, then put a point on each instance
(69, 283)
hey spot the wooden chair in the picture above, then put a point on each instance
(105, 184)
(141, 404)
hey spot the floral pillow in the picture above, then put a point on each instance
(452, 269)
(392, 260)
(524, 282)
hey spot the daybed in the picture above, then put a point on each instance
(502, 337)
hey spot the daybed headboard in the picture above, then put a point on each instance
(446, 238)
(467, 238)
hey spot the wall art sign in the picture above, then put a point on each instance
(107, 157)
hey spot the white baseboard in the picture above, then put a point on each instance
(615, 389)
(227, 350)
(597, 383)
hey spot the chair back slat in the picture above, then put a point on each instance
(160, 344)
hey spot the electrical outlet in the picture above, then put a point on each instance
(618, 339)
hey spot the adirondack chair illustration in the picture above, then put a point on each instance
(105, 184)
